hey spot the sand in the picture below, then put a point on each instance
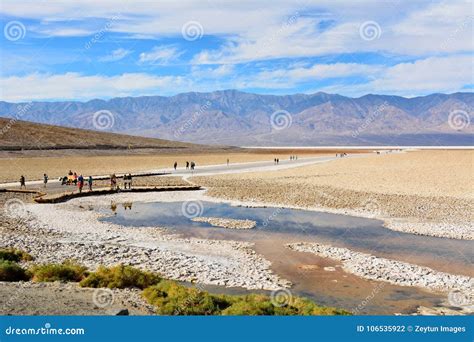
(55, 166)
(421, 192)
(58, 298)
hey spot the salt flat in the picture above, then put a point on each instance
(422, 192)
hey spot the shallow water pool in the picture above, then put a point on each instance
(278, 226)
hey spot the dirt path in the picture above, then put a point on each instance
(68, 299)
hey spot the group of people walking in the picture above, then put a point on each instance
(293, 157)
(190, 165)
(74, 178)
(127, 181)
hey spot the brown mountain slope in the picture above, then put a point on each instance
(17, 135)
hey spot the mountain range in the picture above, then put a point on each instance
(237, 118)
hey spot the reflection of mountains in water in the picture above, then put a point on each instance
(351, 232)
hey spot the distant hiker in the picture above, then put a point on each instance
(75, 178)
(187, 165)
(193, 164)
(90, 180)
(278, 161)
(127, 180)
(80, 183)
(175, 165)
(22, 182)
(113, 181)
(45, 179)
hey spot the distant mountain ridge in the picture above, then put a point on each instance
(239, 118)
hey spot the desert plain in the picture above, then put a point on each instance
(427, 193)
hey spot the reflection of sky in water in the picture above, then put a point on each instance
(339, 230)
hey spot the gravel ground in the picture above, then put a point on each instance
(68, 299)
(33, 168)
(459, 287)
(53, 233)
(422, 192)
(227, 223)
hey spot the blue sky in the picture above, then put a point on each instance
(80, 50)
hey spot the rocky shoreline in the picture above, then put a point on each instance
(423, 193)
(53, 233)
(377, 207)
(395, 272)
(226, 223)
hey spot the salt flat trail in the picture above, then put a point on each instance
(216, 169)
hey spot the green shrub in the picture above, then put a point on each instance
(13, 254)
(120, 277)
(304, 306)
(251, 305)
(11, 271)
(171, 298)
(66, 271)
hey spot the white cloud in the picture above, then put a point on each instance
(319, 71)
(254, 30)
(76, 86)
(209, 72)
(425, 76)
(162, 55)
(116, 55)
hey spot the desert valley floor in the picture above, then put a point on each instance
(373, 232)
